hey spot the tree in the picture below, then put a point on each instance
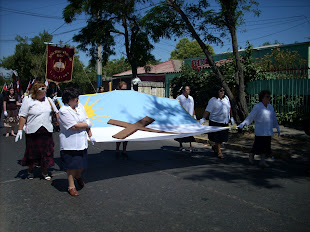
(173, 17)
(281, 59)
(83, 79)
(116, 66)
(188, 49)
(201, 84)
(29, 57)
(268, 43)
(29, 60)
(108, 19)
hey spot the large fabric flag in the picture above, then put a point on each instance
(59, 64)
(127, 115)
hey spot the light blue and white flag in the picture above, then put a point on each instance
(116, 117)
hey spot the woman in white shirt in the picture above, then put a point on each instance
(74, 128)
(219, 112)
(187, 103)
(35, 118)
(265, 120)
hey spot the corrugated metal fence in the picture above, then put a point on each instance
(290, 89)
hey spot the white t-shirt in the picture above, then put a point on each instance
(265, 119)
(187, 103)
(219, 109)
(37, 113)
(70, 139)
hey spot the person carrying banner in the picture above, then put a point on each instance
(74, 128)
(35, 115)
(10, 111)
(187, 102)
(100, 89)
(219, 112)
(121, 86)
(265, 120)
(1, 104)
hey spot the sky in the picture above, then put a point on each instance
(287, 21)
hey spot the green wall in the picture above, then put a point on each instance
(302, 48)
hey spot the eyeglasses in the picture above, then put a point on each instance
(42, 88)
(221, 90)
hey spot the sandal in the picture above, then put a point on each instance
(30, 176)
(73, 192)
(46, 176)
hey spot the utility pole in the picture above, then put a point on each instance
(99, 66)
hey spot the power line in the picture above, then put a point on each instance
(57, 28)
(273, 24)
(29, 13)
(22, 12)
(273, 19)
(283, 6)
(275, 32)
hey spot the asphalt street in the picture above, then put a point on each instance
(157, 189)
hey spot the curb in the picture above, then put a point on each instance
(276, 153)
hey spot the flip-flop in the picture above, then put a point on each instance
(46, 177)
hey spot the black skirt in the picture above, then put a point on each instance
(74, 159)
(220, 136)
(186, 139)
(262, 145)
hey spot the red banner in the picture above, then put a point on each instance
(59, 64)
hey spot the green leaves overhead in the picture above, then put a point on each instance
(108, 20)
(188, 49)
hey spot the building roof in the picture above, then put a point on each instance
(170, 66)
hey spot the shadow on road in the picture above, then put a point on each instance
(199, 166)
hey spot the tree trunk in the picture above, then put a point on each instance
(130, 49)
(228, 7)
(209, 57)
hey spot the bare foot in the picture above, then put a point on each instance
(7, 135)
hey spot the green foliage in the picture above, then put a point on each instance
(163, 21)
(82, 78)
(29, 60)
(291, 118)
(280, 59)
(201, 84)
(116, 66)
(188, 49)
(108, 19)
(250, 70)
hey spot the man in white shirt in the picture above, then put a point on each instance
(265, 120)
(187, 102)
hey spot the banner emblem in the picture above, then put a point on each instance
(59, 64)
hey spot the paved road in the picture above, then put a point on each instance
(157, 189)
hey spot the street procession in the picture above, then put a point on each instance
(107, 128)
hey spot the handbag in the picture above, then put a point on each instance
(55, 122)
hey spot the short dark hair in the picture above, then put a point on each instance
(215, 91)
(183, 88)
(68, 94)
(262, 94)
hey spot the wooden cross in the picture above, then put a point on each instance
(132, 128)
